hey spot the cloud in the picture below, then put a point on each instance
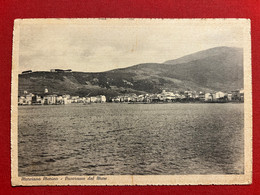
(104, 45)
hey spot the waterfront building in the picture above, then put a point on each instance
(21, 100)
(50, 99)
(241, 94)
(202, 96)
(74, 99)
(147, 99)
(60, 100)
(28, 99)
(103, 99)
(208, 97)
(214, 97)
(27, 72)
(220, 95)
(66, 96)
(229, 96)
(66, 100)
(140, 98)
(37, 99)
(93, 99)
(87, 100)
(98, 99)
(182, 97)
(117, 99)
(134, 98)
(235, 95)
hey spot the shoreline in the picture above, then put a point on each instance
(133, 103)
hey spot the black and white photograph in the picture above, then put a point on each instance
(131, 102)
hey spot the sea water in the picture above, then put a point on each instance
(131, 139)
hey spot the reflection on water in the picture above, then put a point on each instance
(123, 139)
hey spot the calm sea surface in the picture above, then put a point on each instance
(135, 139)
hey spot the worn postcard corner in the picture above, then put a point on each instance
(131, 102)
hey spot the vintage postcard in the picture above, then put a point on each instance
(131, 102)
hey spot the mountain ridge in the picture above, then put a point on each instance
(203, 54)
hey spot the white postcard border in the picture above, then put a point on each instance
(245, 178)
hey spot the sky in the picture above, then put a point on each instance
(101, 45)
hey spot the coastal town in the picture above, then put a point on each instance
(163, 97)
(166, 96)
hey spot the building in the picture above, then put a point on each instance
(50, 99)
(27, 72)
(74, 99)
(60, 70)
(241, 94)
(126, 99)
(140, 98)
(117, 99)
(66, 99)
(220, 95)
(104, 99)
(60, 100)
(28, 99)
(87, 100)
(208, 97)
(98, 99)
(214, 97)
(21, 100)
(37, 99)
(46, 90)
(93, 99)
(235, 95)
(147, 99)
(202, 96)
(229, 96)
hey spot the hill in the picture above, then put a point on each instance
(233, 53)
(210, 70)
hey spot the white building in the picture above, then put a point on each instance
(229, 96)
(28, 99)
(87, 100)
(93, 99)
(21, 100)
(50, 99)
(103, 99)
(208, 97)
(220, 95)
